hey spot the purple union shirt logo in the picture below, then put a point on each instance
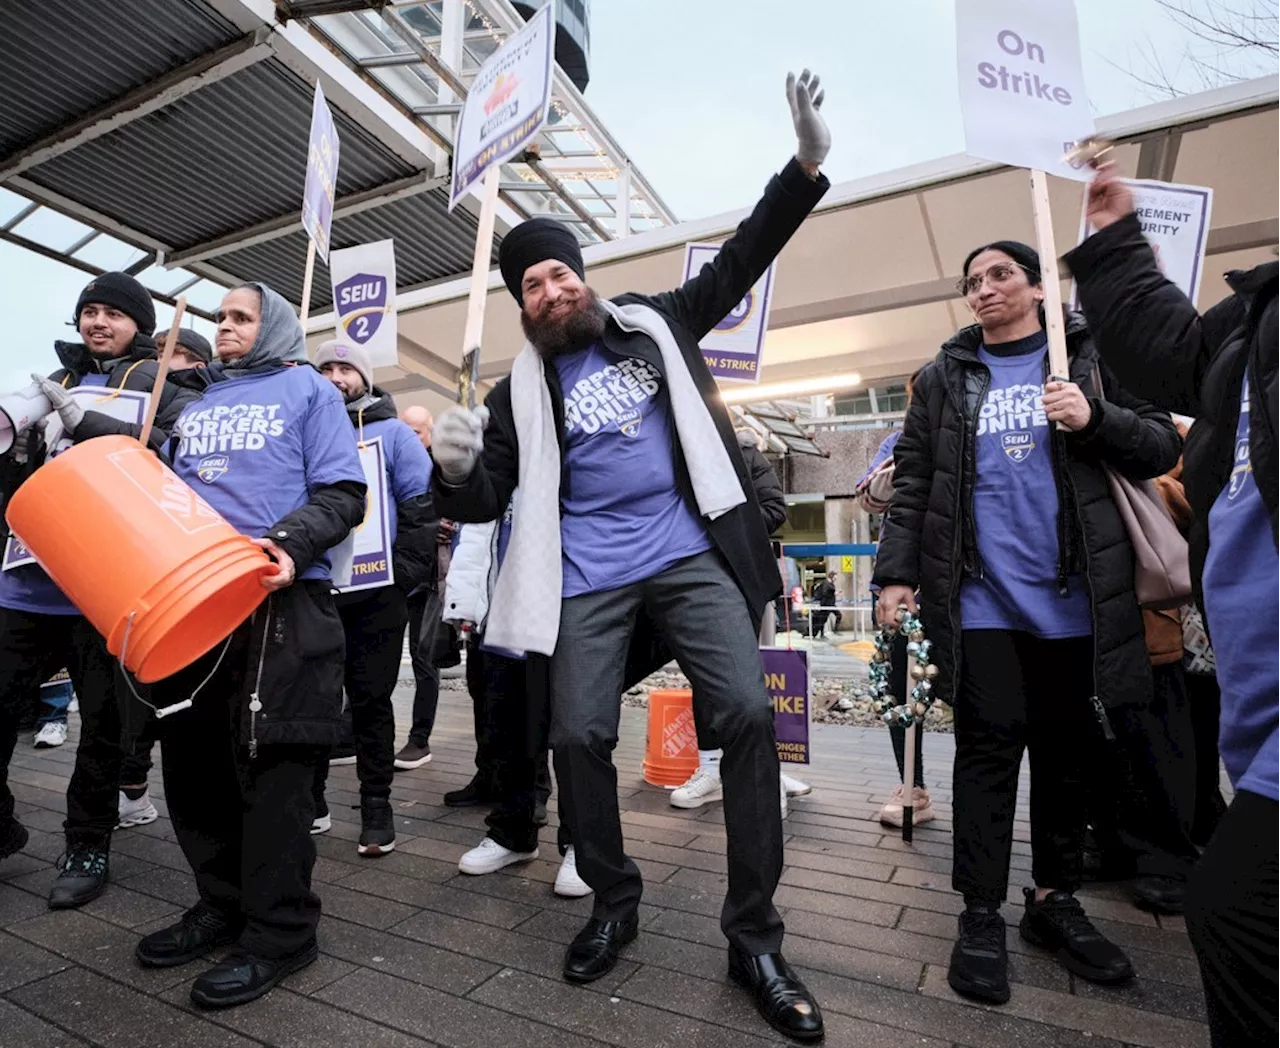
(361, 302)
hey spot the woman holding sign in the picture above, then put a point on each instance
(102, 389)
(269, 446)
(1006, 526)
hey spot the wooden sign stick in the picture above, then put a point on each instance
(469, 372)
(304, 306)
(166, 355)
(1050, 279)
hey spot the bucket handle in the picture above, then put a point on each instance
(177, 707)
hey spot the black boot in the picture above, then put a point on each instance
(377, 827)
(241, 977)
(781, 998)
(200, 930)
(83, 878)
(477, 791)
(594, 950)
(1058, 923)
(979, 960)
(13, 836)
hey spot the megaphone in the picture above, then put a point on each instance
(19, 412)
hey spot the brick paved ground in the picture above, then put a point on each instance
(414, 953)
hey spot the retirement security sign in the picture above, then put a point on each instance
(364, 298)
(1022, 90)
(507, 103)
(733, 347)
(322, 175)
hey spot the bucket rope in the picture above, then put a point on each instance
(164, 711)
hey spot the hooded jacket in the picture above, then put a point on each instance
(773, 504)
(928, 540)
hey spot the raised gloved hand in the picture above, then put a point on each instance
(70, 412)
(813, 139)
(456, 442)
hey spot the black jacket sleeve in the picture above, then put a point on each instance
(773, 504)
(414, 555)
(898, 554)
(1128, 434)
(1146, 329)
(321, 523)
(172, 400)
(706, 299)
(484, 495)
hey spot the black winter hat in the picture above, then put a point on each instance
(122, 292)
(1025, 255)
(195, 344)
(534, 241)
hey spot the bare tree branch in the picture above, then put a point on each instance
(1227, 37)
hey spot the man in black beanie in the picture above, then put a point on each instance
(636, 523)
(41, 631)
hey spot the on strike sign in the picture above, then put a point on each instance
(732, 348)
(1022, 89)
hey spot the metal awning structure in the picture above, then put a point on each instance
(178, 141)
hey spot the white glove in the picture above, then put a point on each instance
(70, 412)
(813, 139)
(456, 442)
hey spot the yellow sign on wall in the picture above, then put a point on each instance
(846, 564)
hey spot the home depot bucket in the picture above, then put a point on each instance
(126, 539)
(671, 755)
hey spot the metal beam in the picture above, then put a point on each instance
(563, 193)
(1242, 237)
(398, 25)
(1158, 156)
(921, 294)
(158, 94)
(283, 225)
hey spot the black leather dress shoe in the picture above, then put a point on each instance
(83, 878)
(781, 998)
(477, 791)
(201, 929)
(1160, 894)
(242, 977)
(594, 950)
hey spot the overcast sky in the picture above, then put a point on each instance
(693, 91)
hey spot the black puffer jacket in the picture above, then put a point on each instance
(773, 503)
(929, 539)
(1162, 349)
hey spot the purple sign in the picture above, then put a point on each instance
(322, 175)
(786, 675)
(361, 301)
(16, 554)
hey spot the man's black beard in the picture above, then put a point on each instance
(352, 397)
(568, 334)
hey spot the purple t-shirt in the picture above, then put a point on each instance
(623, 518)
(1015, 507)
(27, 588)
(256, 448)
(1241, 576)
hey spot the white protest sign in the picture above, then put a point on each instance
(1022, 90)
(1175, 221)
(364, 298)
(732, 348)
(322, 174)
(506, 104)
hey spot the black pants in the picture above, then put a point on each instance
(484, 709)
(1017, 692)
(1205, 700)
(374, 622)
(32, 649)
(136, 764)
(424, 627)
(1232, 916)
(244, 824)
(1142, 787)
(701, 613)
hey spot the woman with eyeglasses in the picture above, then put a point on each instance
(1005, 525)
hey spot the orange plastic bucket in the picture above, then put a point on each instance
(671, 755)
(125, 538)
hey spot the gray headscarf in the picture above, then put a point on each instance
(280, 339)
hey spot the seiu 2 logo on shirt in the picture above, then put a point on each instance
(211, 467)
(1018, 446)
(1240, 469)
(629, 422)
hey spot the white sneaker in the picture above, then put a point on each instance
(322, 823)
(702, 787)
(135, 813)
(74, 705)
(489, 857)
(52, 734)
(794, 787)
(568, 883)
(782, 795)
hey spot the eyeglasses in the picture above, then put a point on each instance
(998, 273)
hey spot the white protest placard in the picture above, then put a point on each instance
(322, 174)
(506, 104)
(1022, 90)
(1175, 221)
(733, 347)
(364, 298)
(363, 559)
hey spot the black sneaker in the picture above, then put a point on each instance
(1059, 924)
(83, 878)
(242, 977)
(377, 827)
(1158, 894)
(200, 930)
(475, 792)
(13, 836)
(979, 959)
